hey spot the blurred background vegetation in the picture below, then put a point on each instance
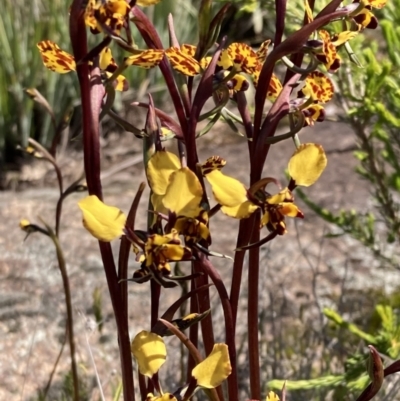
(23, 24)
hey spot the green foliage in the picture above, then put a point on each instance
(68, 389)
(371, 108)
(22, 25)
(385, 337)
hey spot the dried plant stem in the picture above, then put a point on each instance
(53, 371)
(70, 321)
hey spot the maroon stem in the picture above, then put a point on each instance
(252, 313)
(203, 299)
(193, 331)
(204, 304)
(245, 229)
(91, 148)
(155, 290)
(210, 270)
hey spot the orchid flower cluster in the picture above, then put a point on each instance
(180, 206)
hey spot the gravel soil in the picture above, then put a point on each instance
(301, 269)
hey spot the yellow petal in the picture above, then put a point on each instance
(182, 62)
(290, 209)
(54, 58)
(227, 190)
(377, 3)
(243, 57)
(145, 3)
(307, 164)
(265, 219)
(214, 369)
(102, 221)
(184, 193)
(263, 51)
(147, 59)
(283, 196)
(106, 59)
(150, 352)
(318, 87)
(161, 165)
(241, 211)
(272, 396)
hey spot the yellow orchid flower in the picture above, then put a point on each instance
(317, 90)
(60, 61)
(305, 167)
(160, 249)
(364, 17)
(239, 57)
(177, 189)
(159, 168)
(110, 13)
(184, 193)
(276, 207)
(318, 87)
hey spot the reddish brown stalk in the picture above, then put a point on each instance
(207, 330)
(252, 313)
(152, 40)
(204, 305)
(91, 95)
(291, 45)
(244, 236)
(212, 272)
(203, 93)
(193, 330)
(155, 290)
(125, 251)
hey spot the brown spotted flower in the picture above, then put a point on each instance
(363, 16)
(60, 61)
(325, 47)
(236, 59)
(276, 207)
(317, 90)
(161, 249)
(109, 15)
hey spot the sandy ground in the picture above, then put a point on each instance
(302, 269)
